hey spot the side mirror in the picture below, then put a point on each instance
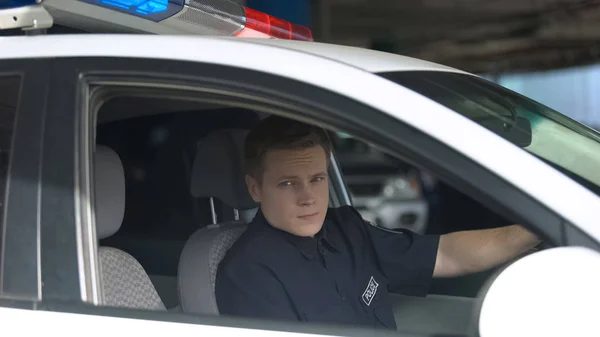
(554, 292)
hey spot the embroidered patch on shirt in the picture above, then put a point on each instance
(370, 292)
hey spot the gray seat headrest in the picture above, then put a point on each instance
(110, 192)
(218, 170)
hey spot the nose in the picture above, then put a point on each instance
(306, 196)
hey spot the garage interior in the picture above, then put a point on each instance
(487, 36)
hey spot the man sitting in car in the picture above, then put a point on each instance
(300, 260)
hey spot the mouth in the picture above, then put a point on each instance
(308, 216)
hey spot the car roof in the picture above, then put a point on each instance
(366, 59)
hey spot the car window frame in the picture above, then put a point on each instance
(338, 189)
(73, 75)
(21, 284)
(499, 93)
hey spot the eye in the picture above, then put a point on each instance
(317, 179)
(285, 183)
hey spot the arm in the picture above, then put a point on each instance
(467, 252)
(252, 290)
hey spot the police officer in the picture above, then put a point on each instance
(300, 260)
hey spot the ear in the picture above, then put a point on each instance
(253, 188)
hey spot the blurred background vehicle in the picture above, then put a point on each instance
(386, 191)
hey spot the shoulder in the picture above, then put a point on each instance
(348, 215)
(347, 222)
(348, 218)
(344, 214)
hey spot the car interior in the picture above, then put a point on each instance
(170, 200)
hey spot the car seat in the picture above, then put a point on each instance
(217, 173)
(124, 282)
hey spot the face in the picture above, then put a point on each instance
(294, 190)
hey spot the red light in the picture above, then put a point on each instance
(273, 27)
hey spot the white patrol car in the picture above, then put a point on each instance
(85, 118)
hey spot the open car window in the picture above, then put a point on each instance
(534, 127)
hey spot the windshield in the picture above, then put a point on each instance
(536, 128)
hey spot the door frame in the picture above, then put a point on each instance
(20, 277)
(70, 110)
(310, 103)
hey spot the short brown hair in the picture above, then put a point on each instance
(276, 133)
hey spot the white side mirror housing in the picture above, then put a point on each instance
(554, 292)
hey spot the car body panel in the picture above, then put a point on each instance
(367, 59)
(20, 320)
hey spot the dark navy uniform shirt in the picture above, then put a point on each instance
(341, 276)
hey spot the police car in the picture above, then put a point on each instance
(120, 159)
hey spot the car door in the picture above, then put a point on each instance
(23, 89)
(83, 78)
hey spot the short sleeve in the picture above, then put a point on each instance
(405, 258)
(251, 290)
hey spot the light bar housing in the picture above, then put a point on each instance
(19, 14)
(172, 17)
(155, 10)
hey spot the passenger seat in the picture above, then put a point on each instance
(124, 282)
(217, 173)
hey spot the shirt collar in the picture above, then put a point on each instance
(308, 246)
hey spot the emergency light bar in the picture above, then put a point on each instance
(198, 17)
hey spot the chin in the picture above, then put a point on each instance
(308, 229)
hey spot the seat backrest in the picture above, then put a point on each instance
(217, 173)
(124, 283)
(198, 265)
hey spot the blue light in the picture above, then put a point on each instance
(4, 4)
(154, 10)
(112, 3)
(143, 7)
(154, 6)
(130, 3)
